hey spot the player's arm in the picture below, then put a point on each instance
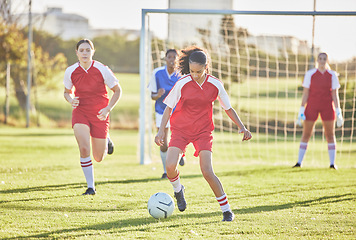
(159, 138)
(335, 97)
(236, 119)
(305, 96)
(103, 113)
(68, 97)
(158, 94)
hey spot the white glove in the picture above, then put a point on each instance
(339, 118)
(301, 116)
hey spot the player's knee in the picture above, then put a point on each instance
(84, 150)
(164, 148)
(98, 157)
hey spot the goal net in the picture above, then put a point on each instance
(262, 73)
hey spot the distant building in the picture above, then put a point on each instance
(69, 26)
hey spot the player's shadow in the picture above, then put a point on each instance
(306, 203)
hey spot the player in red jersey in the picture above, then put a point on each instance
(321, 96)
(192, 122)
(91, 107)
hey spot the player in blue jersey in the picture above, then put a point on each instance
(162, 81)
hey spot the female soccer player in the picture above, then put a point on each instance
(191, 122)
(321, 96)
(91, 107)
(162, 81)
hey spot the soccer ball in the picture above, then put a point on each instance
(160, 205)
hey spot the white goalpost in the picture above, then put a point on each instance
(262, 75)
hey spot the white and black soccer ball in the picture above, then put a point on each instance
(160, 205)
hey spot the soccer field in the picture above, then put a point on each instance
(41, 183)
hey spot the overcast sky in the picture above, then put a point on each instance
(335, 35)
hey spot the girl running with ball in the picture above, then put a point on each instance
(192, 122)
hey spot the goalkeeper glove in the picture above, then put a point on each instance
(301, 116)
(339, 118)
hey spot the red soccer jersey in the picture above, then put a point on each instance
(90, 85)
(194, 104)
(320, 86)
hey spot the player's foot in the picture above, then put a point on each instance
(297, 165)
(110, 146)
(164, 175)
(182, 161)
(181, 203)
(89, 191)
(228, 216)
(332, 166)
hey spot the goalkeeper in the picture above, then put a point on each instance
(320, 95)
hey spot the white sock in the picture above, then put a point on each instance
(163, 157)
(88, 171)
(176, 183)
(332, 152)
(224, 204)
(302, 149)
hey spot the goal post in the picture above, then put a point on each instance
(262, 75)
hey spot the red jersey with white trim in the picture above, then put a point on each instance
(194, 104)
(90, 84)
(320, 86)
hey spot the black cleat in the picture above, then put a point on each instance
(110, 146)
(332, 166)
(228, 216)
(297, 165)
(164, 175)
(182, 161)
(89, 191)
(181, 203)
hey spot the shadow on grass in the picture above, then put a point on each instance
(307, 203)
(34, 134)
(140, 224)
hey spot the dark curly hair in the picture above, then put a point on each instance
(183, 59)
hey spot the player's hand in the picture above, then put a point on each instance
(339, 118)
(103, 114)
(247, 134)
(75, 102)
(160, 92)
(301, 116)
(159, 138)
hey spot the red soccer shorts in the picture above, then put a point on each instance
(98, 128)
(203, 141)
(326, 111)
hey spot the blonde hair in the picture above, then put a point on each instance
(327, 66)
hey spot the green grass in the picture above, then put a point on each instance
(41, 184)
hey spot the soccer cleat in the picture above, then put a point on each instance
(332, 166)
(182, 161)
(164, 175)
(89, 191)
(181, 203)
(228, 216)
(297, 165)
(110, 146)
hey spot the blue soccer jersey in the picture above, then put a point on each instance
(161, 79)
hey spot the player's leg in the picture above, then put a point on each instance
(100, 148)
(163, 152)
(308, 127)
(206, 167)
(173, 155)
(329, 129)
(82, 135)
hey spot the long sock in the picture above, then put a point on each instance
(302, 149)
(164, 157)
(88, 171)
(177, 186)
(224, 203)
(332, 152)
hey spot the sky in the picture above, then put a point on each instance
(335, 35)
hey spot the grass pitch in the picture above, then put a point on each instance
(41, 183)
